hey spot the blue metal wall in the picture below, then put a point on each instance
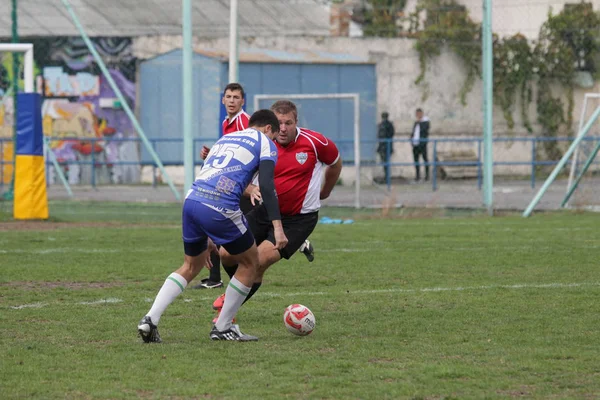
(161, 99)
(161, 103)
(333, 118)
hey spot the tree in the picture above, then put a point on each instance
(379, 17)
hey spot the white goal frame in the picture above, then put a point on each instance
(575, 159)
(28, 83)
(26, 48)
(355, 97)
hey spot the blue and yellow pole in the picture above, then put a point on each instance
(30, 197)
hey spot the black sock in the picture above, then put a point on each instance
(253, 290)
(215, 271)
(230, 270)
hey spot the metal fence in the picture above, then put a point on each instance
(97, 161)
(533, 163)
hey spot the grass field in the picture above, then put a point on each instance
(410, 306)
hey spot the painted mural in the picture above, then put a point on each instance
(82, 116)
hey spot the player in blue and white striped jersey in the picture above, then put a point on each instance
(211, 215)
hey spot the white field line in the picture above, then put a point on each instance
(380, 248)
(33, 305)
(435, 289)
(496, 225)
(59, 250)
(522, 286)
(101, 301)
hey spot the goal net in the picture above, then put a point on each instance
(585, 165)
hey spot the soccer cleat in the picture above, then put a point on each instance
(218, 303)
(308, 250)
(208, 284)
(233, 334)
(148, 331)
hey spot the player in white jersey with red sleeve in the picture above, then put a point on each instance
(304, 158)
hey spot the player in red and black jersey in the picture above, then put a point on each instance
(236, 120)
(303, 155)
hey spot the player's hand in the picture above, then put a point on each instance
(255, 196)
(211, 248)
(323, 195)
(204, 152)
(280, 239)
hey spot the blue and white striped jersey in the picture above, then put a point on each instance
(230, 166)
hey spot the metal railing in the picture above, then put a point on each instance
(533, 163)
(96, 160)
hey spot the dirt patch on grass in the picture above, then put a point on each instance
(381, 360)
(523, 391)
(29, 285)
(54, 225)
(37, 225)
(417, 213)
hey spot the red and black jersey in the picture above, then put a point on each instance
(299, 171)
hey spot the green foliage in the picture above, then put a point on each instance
(578, 27)
(449, 24)
(380, 17)
(568, 42)
(513, 74)
(7, 72)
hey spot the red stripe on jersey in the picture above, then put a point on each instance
(298, 172)
(238, 123)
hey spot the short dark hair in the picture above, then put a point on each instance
(419, 110)
(234, 86)
(262, 118)
(285, 107)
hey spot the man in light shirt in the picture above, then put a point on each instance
(418, 138)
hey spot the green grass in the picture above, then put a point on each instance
(406, 308)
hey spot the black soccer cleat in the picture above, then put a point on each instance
(308, 250)
(208, 284)
(148, 331)
(232, 334)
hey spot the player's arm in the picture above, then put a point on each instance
(332, 174)
(266, 183)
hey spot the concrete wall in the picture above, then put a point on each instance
(510, 17)
(397, 68)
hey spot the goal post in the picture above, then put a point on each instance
(580, 136)
(27, 49)
(576, 173)
(355, 97)
(28, 183)
(29, 87)
(28, 82)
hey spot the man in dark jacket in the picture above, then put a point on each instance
(418, 138)
(385, 131)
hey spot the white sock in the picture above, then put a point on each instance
(235, 294)
(173, 286)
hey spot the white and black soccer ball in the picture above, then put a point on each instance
(299, 320)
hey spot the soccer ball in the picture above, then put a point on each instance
(299, 320)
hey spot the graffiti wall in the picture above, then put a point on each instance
(82, 116)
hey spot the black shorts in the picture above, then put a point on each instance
(246, 205)
(297, 228)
